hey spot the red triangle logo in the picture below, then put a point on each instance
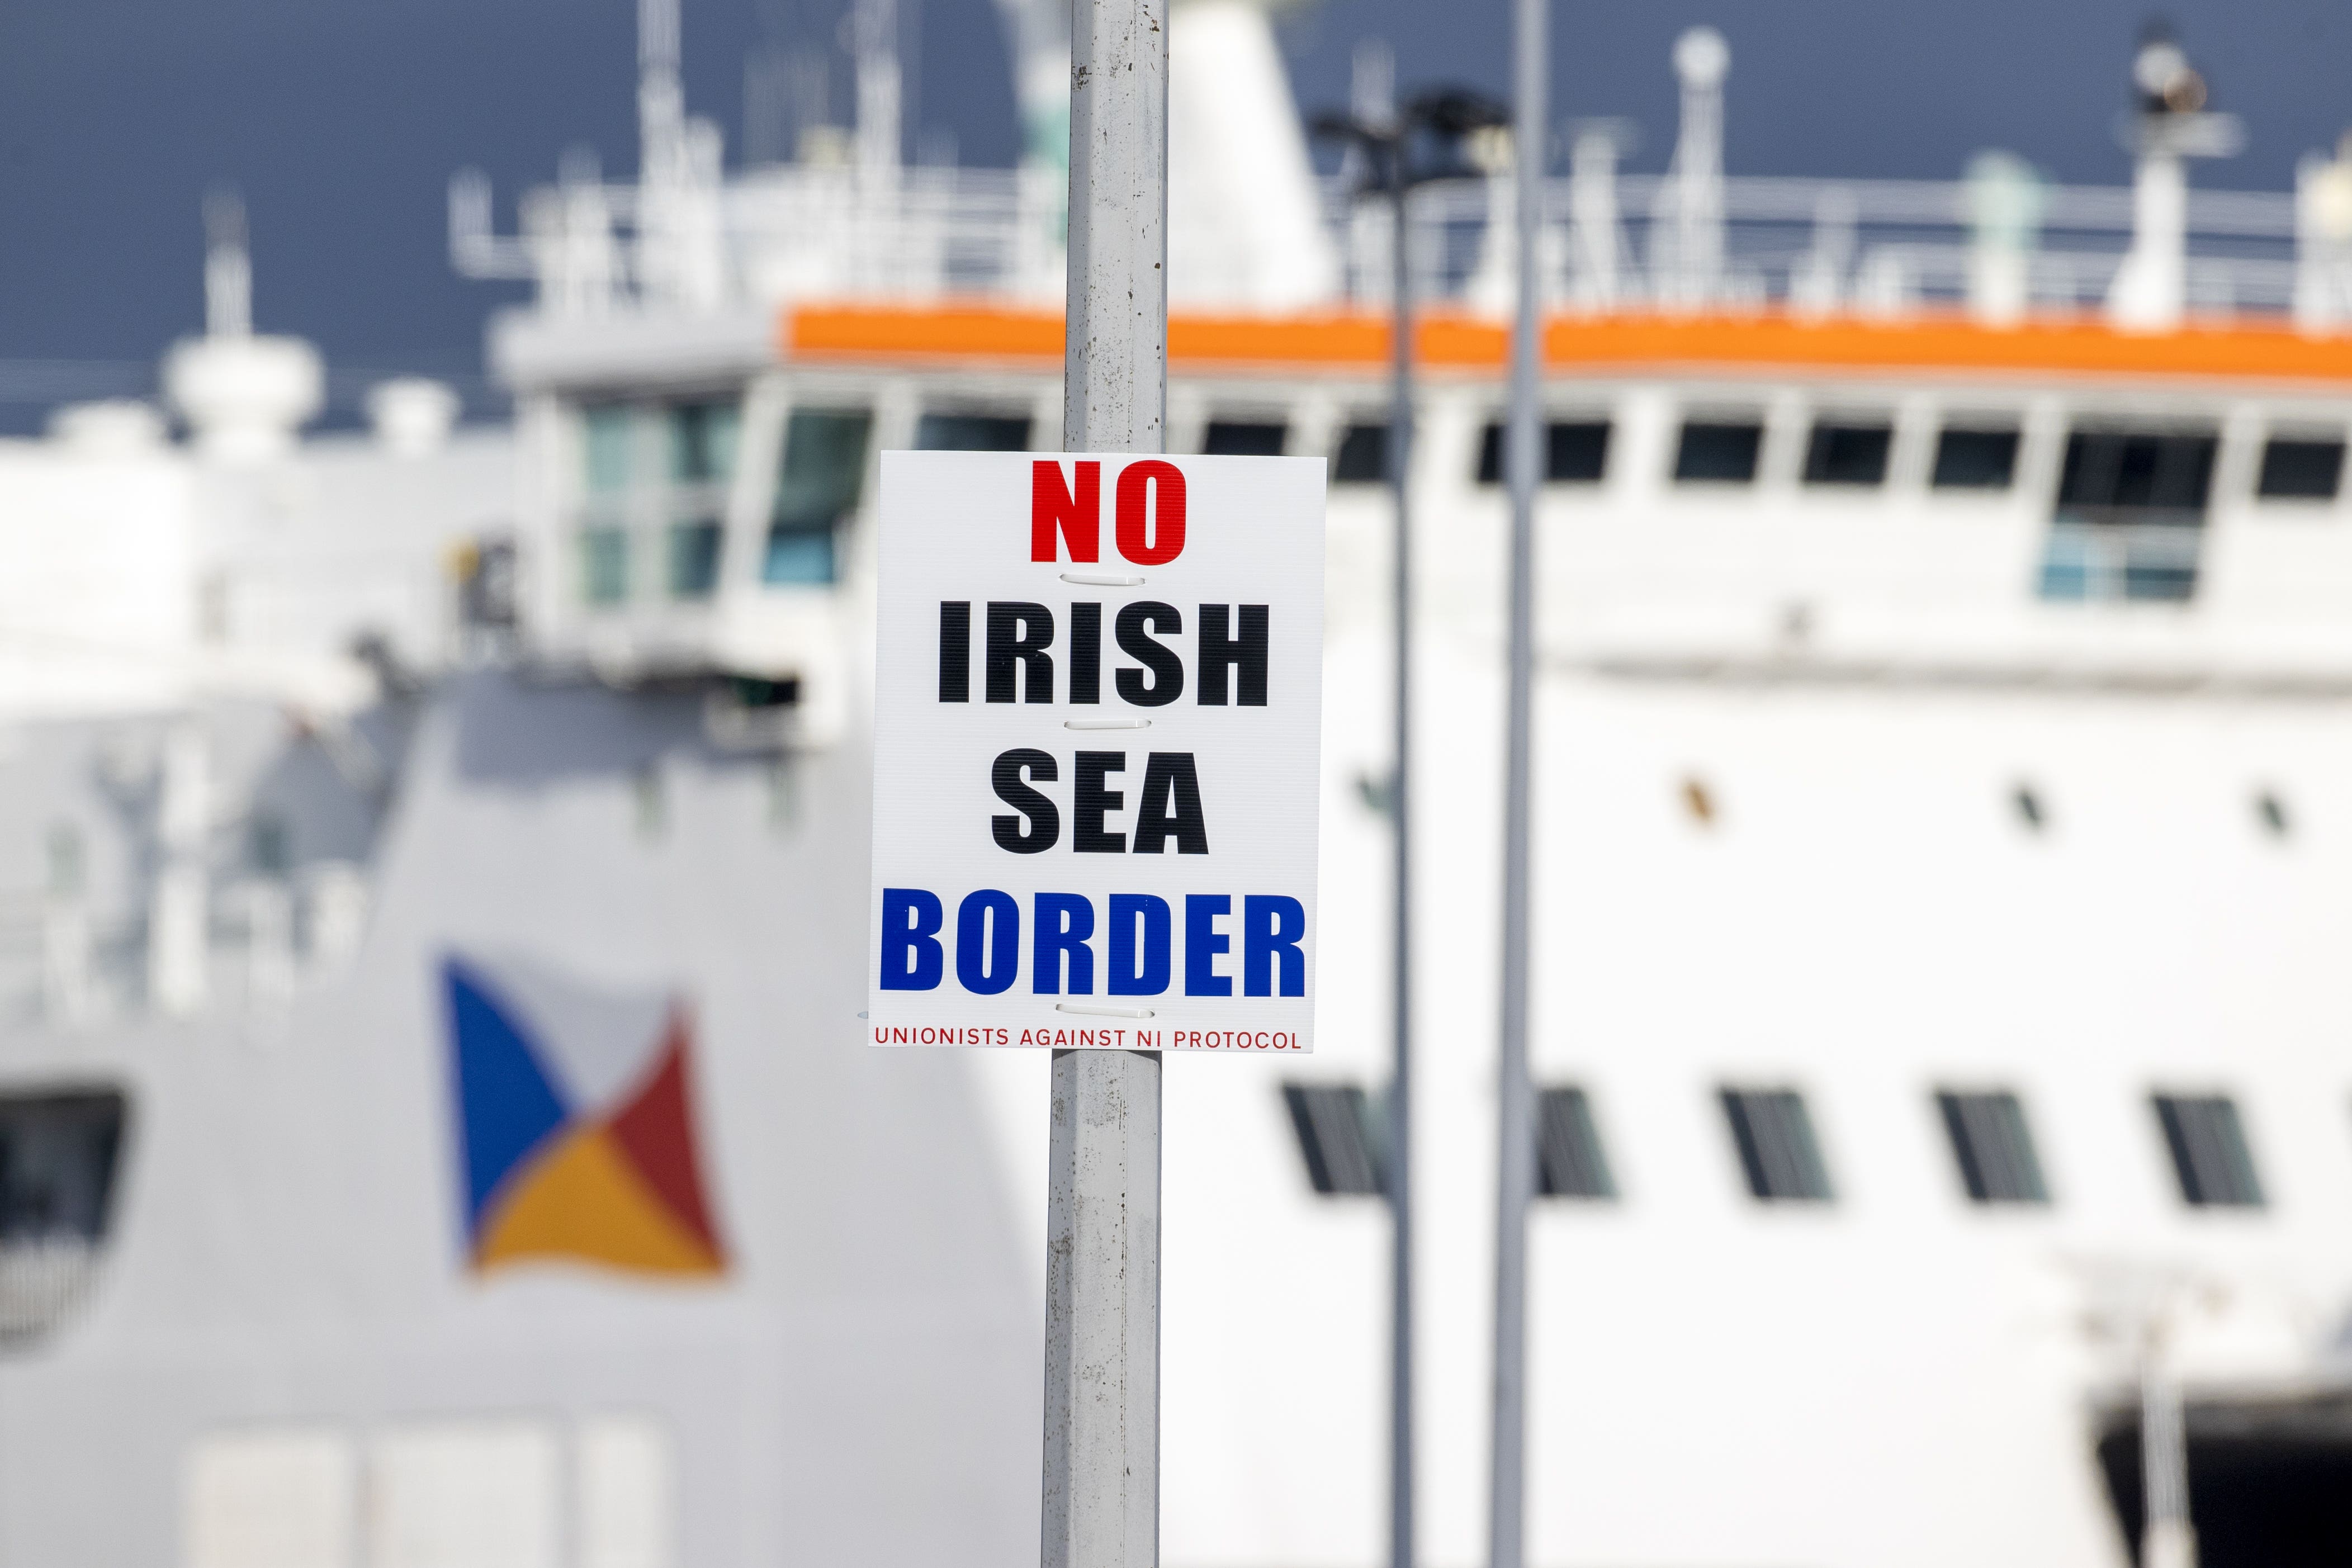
(655, 1128)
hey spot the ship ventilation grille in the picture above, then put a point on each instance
(1336, 1138)
(1993, 1147)
(1777, 1152)
(1569, 1161)
(2210, 1154)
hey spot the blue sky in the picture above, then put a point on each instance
(341, 121)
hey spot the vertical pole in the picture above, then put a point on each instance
(2167, 1538)
(1101, 1489)
(1400, 1163)
(1515, 1129)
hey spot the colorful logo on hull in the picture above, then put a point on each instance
(576, 1123)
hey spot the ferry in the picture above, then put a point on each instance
(435, 1125)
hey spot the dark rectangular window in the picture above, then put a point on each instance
(1993, 1147)
(2302, 470)
(1777, 1152)
(1335, 1138)
(2131, 516)
(1847, 454)
(823, 473)
(2112, 471)
(2210, 1155)
(702, 442)
(1569, 1161)
(973, 433)
(1575, 452)
(1718, 452)
(57, 1158)
(1363, 455)
(1975, 459)
(1244, 438)
(694, 559)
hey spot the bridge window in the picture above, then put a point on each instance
(1335, 1138)
(1993, 1147)
(1569, 1160)
(1718, 452)
(654, 478)
(702, 442)
(604, 565)
(1777, 1152)
(1363, 455)
(2131, 516)
(2210, 1157)
(694, 558)
(1975, 459)
(609, 434)
(823, 474)
(1244, 438)
(1575, 452)
(1843, 453)
(973, 433)
(2301, 470)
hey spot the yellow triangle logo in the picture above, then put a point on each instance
(586, 1201)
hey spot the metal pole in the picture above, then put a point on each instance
(1399, 1163)
(2168, 1537)
(1102, 1246)
(1515, 1119)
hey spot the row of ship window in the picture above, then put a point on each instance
(654, 478)
(1342, 1137)
(2162, 470)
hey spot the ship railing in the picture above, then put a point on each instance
(1860, 246)
(914, 232)
(1635, 241)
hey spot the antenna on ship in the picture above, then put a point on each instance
(229, 266)
(879, 84)
(661, 96)
(1692, 231)
(682, 253)
(2169, 125)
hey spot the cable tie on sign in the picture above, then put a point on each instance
(1105, 724)
(1100, 580)
(1102, 1012)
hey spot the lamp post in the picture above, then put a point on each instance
(1415, 146)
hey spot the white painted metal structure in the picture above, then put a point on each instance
(1863, 790)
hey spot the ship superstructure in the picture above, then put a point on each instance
(433, 847)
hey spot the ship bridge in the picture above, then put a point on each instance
(1949, 429)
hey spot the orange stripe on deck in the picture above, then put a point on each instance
(1764, 343)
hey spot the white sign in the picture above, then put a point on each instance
(1098, 726)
